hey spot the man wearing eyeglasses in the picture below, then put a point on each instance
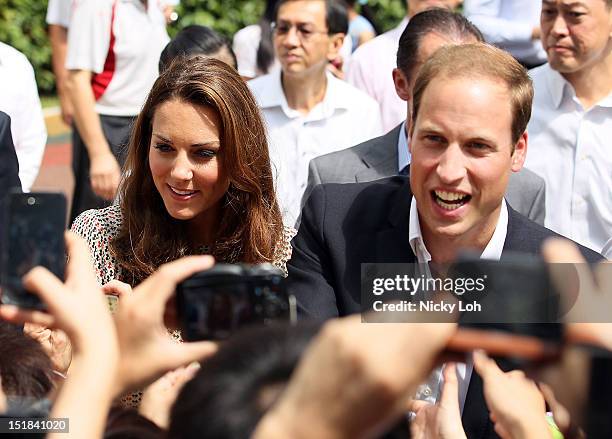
(308, 111)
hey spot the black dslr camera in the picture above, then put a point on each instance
(213, 304)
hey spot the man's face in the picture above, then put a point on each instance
(576, 34)
(461, 157)
(301, 38)
(416, 6)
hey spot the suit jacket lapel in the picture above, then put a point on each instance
(392, 243)
(381, 158)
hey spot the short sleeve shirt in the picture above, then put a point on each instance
(123, 58)
(58, 12)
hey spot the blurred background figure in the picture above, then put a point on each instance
(113, 53)
(371, 66)
(254, 47)
(19, 99)
(512, 25)
(197, 40)
(58, 20)
(361, 26)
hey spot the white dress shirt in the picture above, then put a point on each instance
(344, 118)
(569, 147)
(19, 99)
(509, 25)
(430, 391)
(371, 70)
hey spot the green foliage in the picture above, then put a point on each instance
(22, 25)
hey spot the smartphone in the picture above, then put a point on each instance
(520, 314)
(33, 234)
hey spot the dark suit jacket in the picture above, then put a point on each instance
(344, 225)
(9, 167)
(377, 158)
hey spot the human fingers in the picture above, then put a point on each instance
(450, 390)
(79, 270)
(48, 287)
(15, 315)
(160, 285)
(486, 367)
(416, 405)
(117, 288)
(187, 353)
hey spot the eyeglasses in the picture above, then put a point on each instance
(304, 31)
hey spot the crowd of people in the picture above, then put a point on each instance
(312, 144)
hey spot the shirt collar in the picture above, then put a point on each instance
(492, 251)
(560, 88)
(556, 85)
(403, 154)
(334, 99)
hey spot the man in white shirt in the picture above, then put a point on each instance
(371, 65)
(512, 25)
(309, 112)
(571, 126)
(19, 99)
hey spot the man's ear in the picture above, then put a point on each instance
(402, 85)
(520, 153)
(335, 44)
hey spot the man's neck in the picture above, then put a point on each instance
(304, 92)
(444, 248)
(592, 84)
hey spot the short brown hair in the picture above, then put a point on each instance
(480, 61)
(250, 224)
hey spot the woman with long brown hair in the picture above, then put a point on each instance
(197, 180)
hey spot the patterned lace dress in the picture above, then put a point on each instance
(100, 226)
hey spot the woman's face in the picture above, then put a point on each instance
(186, 160)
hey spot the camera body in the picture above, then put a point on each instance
(213, 304)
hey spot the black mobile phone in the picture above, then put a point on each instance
(213, 304)
(518, 310)
(33, 234)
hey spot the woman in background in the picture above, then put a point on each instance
(197, 40)
(361, 27)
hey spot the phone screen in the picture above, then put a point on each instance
(33, 235)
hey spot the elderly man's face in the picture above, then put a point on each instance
(462, 157)
(416, 6)
(576, 34)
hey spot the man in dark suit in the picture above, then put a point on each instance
(388, 155)
(471, 107)
(9, 167)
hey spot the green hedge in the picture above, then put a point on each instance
(22, 25)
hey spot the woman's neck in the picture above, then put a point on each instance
(202, 230)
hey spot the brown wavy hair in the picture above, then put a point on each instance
(250, 223)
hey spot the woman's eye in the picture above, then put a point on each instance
(205, 153)
(163, 147)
